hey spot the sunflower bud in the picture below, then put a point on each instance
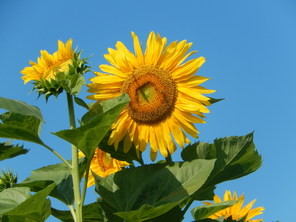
(53, 73)
(7, 180)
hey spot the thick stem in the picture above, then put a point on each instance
(75, 164)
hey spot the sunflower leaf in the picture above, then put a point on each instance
(20, 127)
(88, 136)
(236, 157)
(145, 192)
(32, 208)
(9, 151)
(119, 153)
(60, 174)
(20, 107)
(204, 211)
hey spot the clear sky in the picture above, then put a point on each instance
(250, 49)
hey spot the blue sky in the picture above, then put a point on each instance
(250, 49)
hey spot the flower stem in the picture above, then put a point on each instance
(75, 165)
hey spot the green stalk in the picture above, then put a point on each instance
(75, 164)
(85, 184)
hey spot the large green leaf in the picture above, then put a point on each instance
(204, 211)
(60, 174)
(88, 136)
(90, 213)
(20, 107)
(34, 208)
(119, 153)
(145, 192)
(20, 127)
(236, 157)
(10, 198)
(174, 215)
(9, 151)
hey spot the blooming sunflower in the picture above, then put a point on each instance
(166, 99)
(236, 211)
(103, 165)
(50, 71)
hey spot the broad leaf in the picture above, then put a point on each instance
(204, 211)
(90, 213)
(60, 174)
(34, 208)
(20, 107)
(236, 157)
(174, 215)
(10, 198)
(9, 151)
(20, 127)
(145, 192)
(88, 136)
(119, 153)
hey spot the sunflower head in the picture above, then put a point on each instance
(237, 211)
(53, 73)
(102, 164)
(166, 96)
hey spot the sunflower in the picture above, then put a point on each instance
(51, 70)
(166, 99)
(236, 211)
(103, 165)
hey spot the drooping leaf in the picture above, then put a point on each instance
(204, 211)
(20, 127)
(60, 174)
(88, 136)
(9, 151)
(20, 107)
(142, 193)
(119, 153)
(236, 157)
(90, 213)
(34, 208)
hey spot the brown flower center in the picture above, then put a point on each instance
(153, 94)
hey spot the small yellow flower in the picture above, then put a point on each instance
(166, 97)
(48, 65)
(52, 73)
(236, 211)
(103, 165)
